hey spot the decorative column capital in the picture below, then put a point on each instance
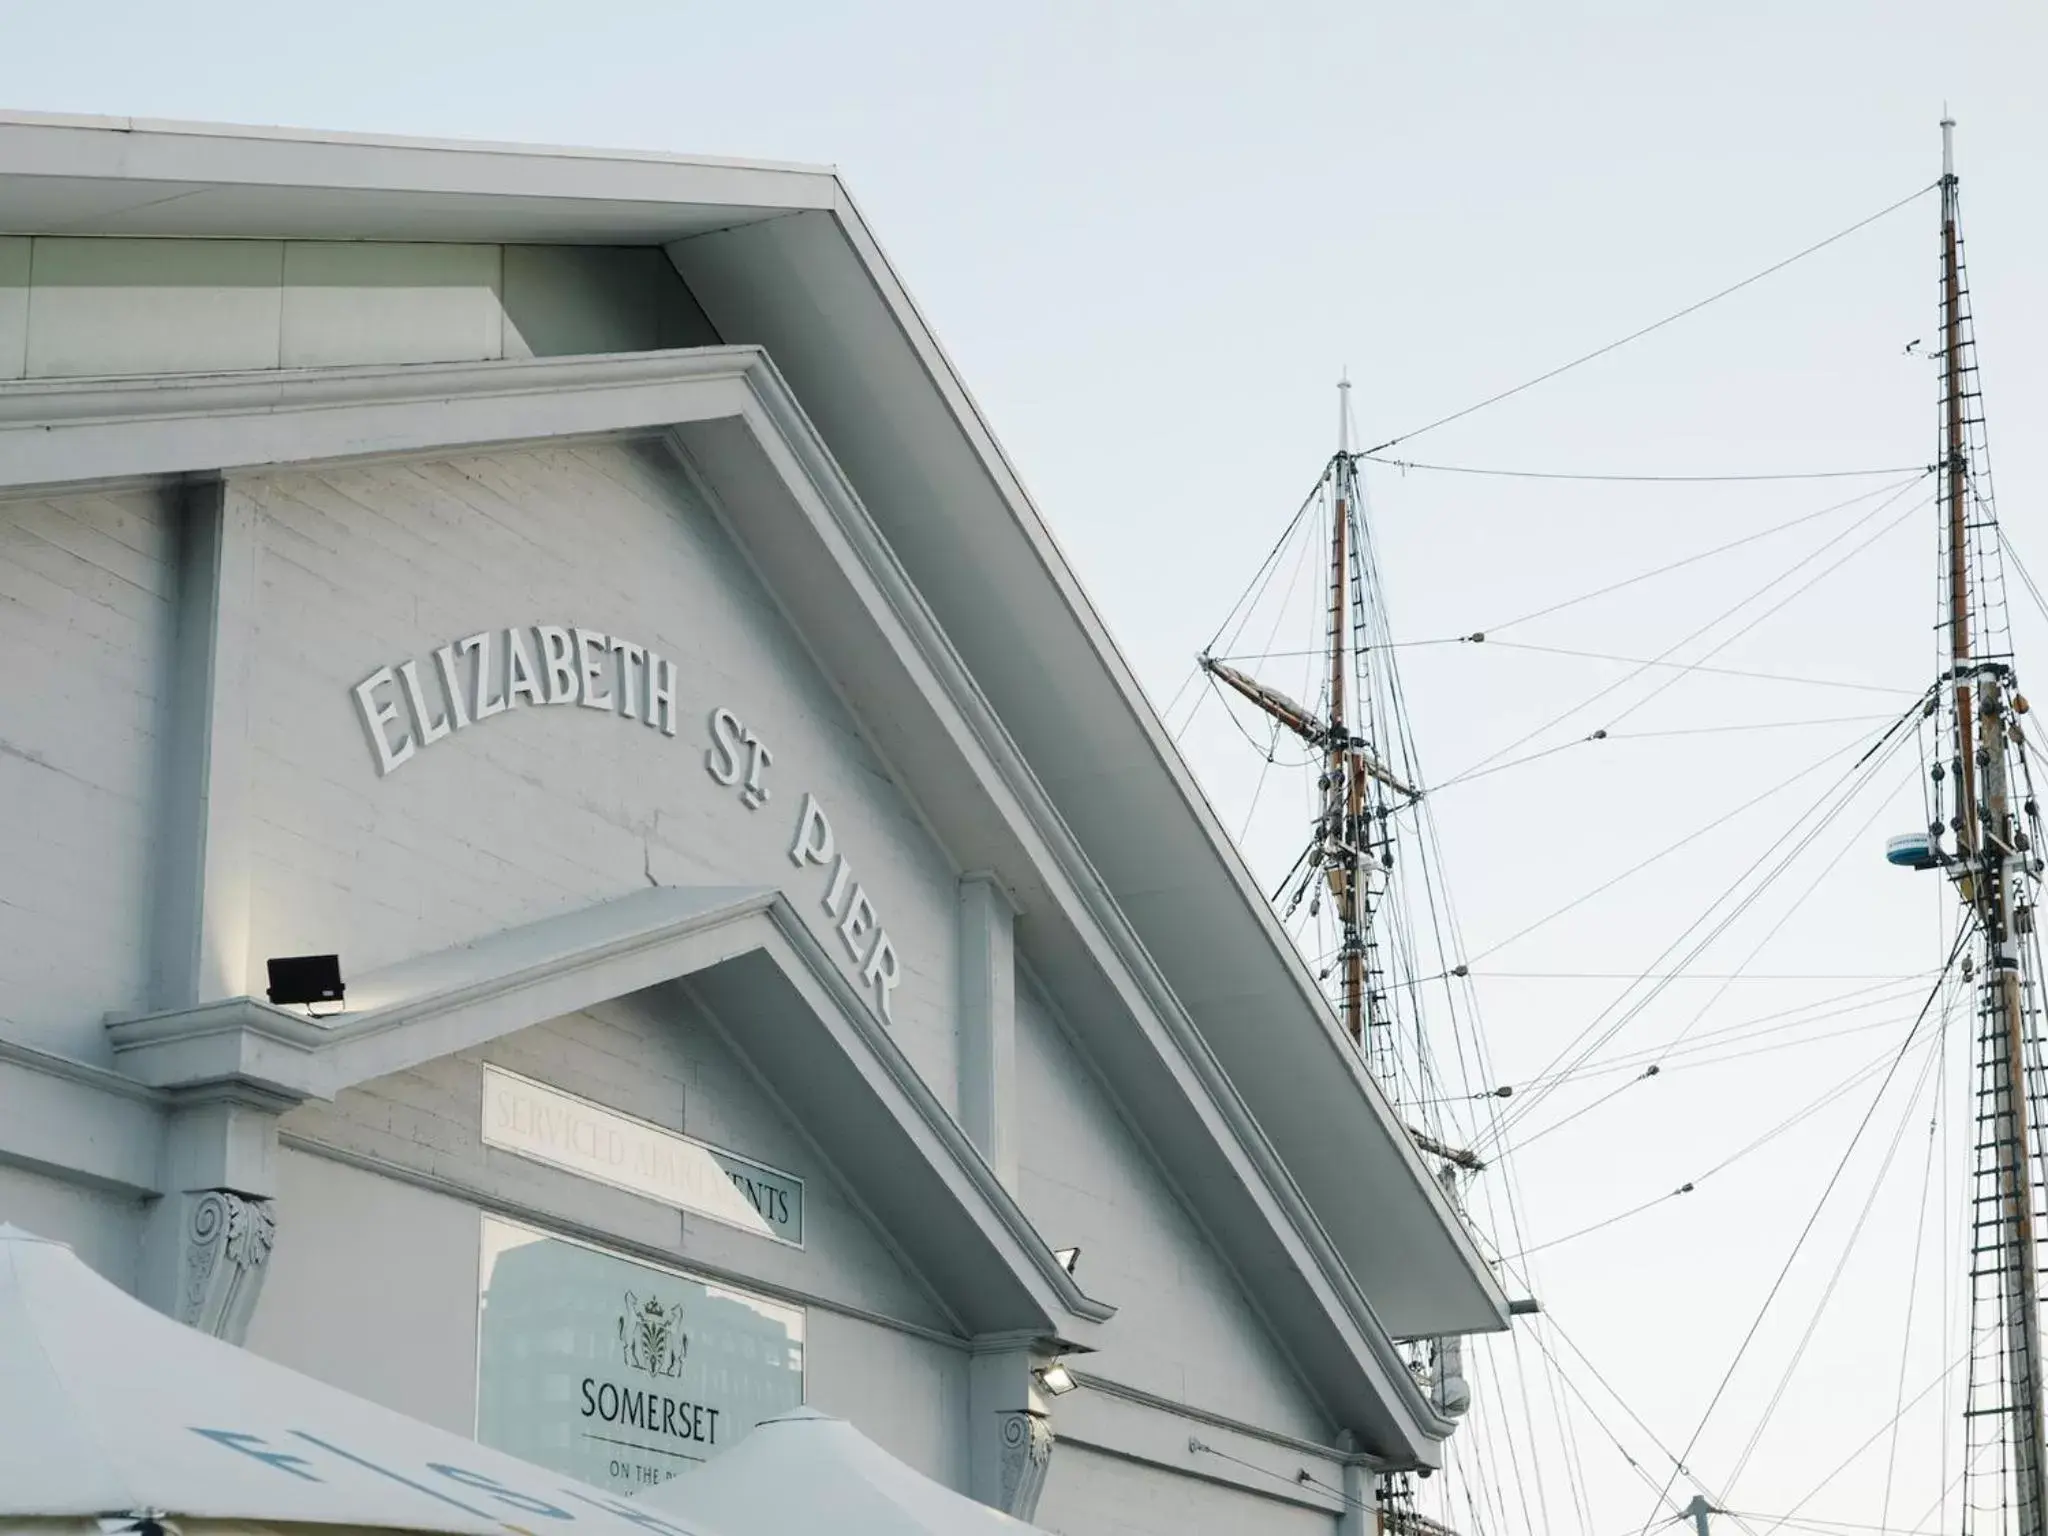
(1027, 1441)
(227, 1240)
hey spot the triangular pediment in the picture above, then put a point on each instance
(709, 446)
(743, 958)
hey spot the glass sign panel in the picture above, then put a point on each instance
(618, 1372)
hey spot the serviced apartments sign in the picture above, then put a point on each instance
(620, 1373)
(550, 1126)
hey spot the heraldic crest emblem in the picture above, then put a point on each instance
(651, 1336)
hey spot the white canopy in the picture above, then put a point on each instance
(805, 1471)
(108, 1408)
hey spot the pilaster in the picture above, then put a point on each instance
(201, 929)
(1010, 1439)
(207, 1239)
(1361, 1514)
(988, 1022)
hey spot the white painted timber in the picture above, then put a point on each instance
(372, 1288)
(14, 279)
(1089, 1493)
(783, 258)
(1187, 1329)
(144, 176)
(773, 473)
(86, 1125)
(120, 307)
(566, 299)
(103, 1229)
(538, 811)
(347, 302)
(908, 1395)
(87, 586)
(153, 306)
(988, 1022)
(657, 1059)
(201, 918)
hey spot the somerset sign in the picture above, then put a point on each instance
(419, 702)
(573, 1134)
(617, 1372)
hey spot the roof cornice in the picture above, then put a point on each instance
(179, 128)
(184, 424)
(441, 1004)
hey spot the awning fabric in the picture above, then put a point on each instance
(111, 1411)
(806, 1472)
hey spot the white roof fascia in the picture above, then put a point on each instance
(142, 177)
(76, 429)
(635, 198)
(1316, 1012)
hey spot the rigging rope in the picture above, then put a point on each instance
(1656, 325)
(1963, 935)
(1887, 743)
(1912, 1296)
(1812, 1107)
(1623, 479)
(1662, 853)
(1884, 1169)
(1660, 663)
(1705, 554)
(1711, 624)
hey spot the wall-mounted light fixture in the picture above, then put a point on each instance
(1056, 1379)
(305, 981)
(1067, 1257)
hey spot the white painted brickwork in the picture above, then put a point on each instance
(539, 811)
(347, 1235)
(655, 1059)
(1185, 1331)
(104, 1230)
(86, 616)
(1089, 1494)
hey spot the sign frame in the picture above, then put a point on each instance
(486, 1218)
(661, 1135)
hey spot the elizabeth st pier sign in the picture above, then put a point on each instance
(414, 705)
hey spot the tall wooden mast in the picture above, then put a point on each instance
(1990, 864)
(1343, 791)
(1342, 854)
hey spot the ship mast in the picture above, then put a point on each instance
(1344, 851)
(1343, 791)
(1993, 873)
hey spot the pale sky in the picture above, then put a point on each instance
(1151, 235)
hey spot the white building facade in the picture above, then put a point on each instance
(785, 959)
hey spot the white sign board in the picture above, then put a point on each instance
(549, 1126)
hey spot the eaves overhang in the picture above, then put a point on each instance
(779, 256)
(144, 178)
(817, 292)
(733, 423)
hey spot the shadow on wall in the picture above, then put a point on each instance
(84, 307)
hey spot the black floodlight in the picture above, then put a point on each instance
(300, 981)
